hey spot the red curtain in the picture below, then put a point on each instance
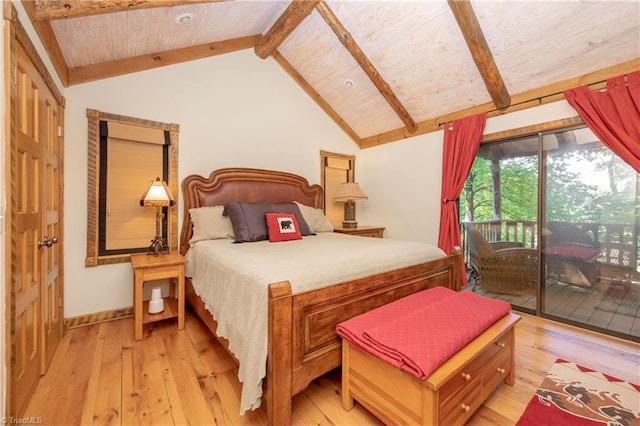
(461, 142)
(613, 115)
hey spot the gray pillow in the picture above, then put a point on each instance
(248, 220)
(315, 218)
(292, 208)
(210, 224)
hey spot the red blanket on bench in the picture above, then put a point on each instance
(418, 333)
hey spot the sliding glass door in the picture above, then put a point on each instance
(550, 223)
(589, 234)
(500, 219)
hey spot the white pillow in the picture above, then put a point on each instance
(210, 224)
(315, 218)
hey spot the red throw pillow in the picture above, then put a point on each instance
(282, 227)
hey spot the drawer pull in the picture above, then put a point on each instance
(501, 344)
(466, 376)
(465, 407)
(501, 370)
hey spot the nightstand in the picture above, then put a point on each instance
(149, 268)
(362, 231)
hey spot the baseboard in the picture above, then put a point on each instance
(97, 317)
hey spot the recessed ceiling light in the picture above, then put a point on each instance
(183, 18)
(349, 84)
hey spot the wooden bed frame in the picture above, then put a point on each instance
(303, 324)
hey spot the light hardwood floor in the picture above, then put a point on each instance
(100, 375)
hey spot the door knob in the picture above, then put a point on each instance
(48, 242)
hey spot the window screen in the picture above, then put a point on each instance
(131, 157)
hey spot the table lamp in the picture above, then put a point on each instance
(157, 195)
(349, 193)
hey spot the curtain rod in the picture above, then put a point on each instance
(596, 85)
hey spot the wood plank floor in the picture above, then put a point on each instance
(100, 375)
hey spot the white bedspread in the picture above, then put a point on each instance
(232, 280)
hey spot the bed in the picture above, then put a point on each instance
(303, 323)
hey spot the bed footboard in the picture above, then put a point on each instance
(278, 382)
(303, 344)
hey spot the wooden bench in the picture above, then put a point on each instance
(449, 396)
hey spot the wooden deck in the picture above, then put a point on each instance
(611, 305)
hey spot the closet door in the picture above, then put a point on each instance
(35, 155)
(51, 252)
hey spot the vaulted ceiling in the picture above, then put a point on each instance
(382, 70)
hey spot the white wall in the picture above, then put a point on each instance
(402, 179)
(234, 110)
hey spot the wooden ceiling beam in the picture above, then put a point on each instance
(383, 87)
(529, 99)
(286, 23)
(118, 67)
(60, 9)
(482, 56)
(49, 41)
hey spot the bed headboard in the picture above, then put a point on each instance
(243, 184)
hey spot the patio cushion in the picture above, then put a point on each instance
(574, 250)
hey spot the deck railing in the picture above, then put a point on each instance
(618, 243)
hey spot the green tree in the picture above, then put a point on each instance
(566, 193)
(520, 188)
(476, 193)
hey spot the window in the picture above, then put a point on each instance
(335, 169)
(125, 154)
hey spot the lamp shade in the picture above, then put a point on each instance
(157, 194)
(350, 191)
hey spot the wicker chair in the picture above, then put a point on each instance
(502, 267)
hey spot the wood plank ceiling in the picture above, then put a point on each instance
(382, 70)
